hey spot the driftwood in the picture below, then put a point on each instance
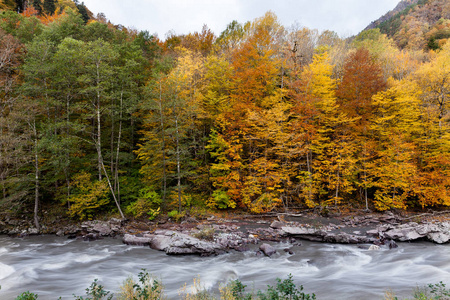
(433, 213)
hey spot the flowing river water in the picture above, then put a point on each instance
(53, 266)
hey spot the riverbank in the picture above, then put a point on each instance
(213, 235)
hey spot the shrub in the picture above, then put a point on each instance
(174, 214)
(27, 296)
(220, 200)
(206, 233)
(285, 289)
(96, 291)
(89, 196)
(148, 203)
(148, 288)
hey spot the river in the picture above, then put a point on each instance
(53, 266)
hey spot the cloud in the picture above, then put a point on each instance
(343, 16)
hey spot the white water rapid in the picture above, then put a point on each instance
(52, 266)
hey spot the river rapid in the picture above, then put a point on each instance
(54, 266)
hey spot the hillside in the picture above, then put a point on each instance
(401, 7)
(417, 24)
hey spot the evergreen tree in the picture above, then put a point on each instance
(37, 4)
(83, 12)
(49, 7)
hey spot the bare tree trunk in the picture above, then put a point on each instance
(338, 181)
(163, 146)
(112, 191)
(36, 177)
(116, 173)
(99, 137)
(308, 163)
(66, 167)
(365, 179)
(178, 164)
(99, 140)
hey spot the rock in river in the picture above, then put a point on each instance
(267, 249)
(174, 243)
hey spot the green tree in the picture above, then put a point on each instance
(49, 7)
(37, 4)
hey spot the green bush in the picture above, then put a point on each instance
(148, 203)
(27, 296)
(285, 289)
(220, 200)
(174, 214)
(148, 288)
(95, 292)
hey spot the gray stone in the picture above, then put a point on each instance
(33, 231)
(267, 249)
(290, 230)
(277, 224)
(103, 228)
(136, 241)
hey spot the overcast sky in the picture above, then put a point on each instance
(346, 17)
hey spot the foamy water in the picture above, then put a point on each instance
(51, 267)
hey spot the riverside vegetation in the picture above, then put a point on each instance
(149, 288)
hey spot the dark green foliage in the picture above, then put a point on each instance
(432, 44)
(147, 288)
(37, 4)
(95, 292)
(83, 12)
(27, 296)
(238, 290)
(20, 5)
(49, 6)
(149, 47)
(285, 289)
(439, 290)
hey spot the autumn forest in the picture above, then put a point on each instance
(96, 117)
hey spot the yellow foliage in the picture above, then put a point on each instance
(89, 196)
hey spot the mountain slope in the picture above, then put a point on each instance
(417, 24)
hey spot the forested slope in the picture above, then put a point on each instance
(96, 117)
(417, 24)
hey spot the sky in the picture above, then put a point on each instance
(346, 17)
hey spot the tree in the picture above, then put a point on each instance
(37, 4)
(49, 7)
(433, 79)
(330, 162)
(83, 12)
(169, 132)
(362, 78)
(396, 126)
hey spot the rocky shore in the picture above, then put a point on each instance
(214, 236)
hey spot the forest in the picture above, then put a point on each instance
(97, 117)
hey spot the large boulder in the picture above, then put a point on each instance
(277, 224)
(174, 243)
(134, 240)
(434, 232)
(267, 249)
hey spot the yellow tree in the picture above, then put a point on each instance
(236, 143)
(362, 78)
(169, 133)
(333, 163)
(396, 126)
(433, 79)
